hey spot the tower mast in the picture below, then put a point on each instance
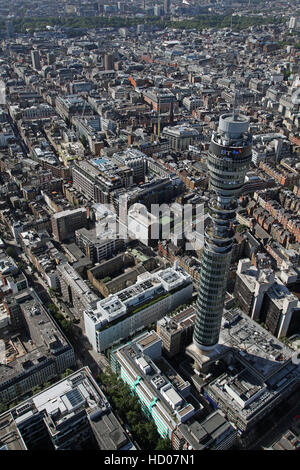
(229, 157)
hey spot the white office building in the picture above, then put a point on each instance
(122, 314)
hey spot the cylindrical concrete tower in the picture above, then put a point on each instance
(228, 161)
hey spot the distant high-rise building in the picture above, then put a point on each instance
(158, 10)
(51, 58)
(294, 23)
(121, 7)
(9, 29)
(140, 28)
(167, 4)
(100, 5)
(108, 61)
(35, 58)
(228, 160)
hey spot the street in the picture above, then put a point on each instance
(276, 431)
(83, 350)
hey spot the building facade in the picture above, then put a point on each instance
(163, 401)
(122, 314)
(72, 414)
(65, 223)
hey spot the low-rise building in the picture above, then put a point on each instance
(181, 137)
(72, 414)
(214, 433)
(38, 352)
(65, 223)
(280, 310)
(251, 285)
(165, 401)
(72, 105)
(98, 246)
(177, 331)
(75, 291)
(134, 159)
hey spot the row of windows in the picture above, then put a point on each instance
(209, 318)
(207, 309)
(213, 274)
(216, 263)
(208, 283)
(210, 332)
(209, 256)
(208, 293)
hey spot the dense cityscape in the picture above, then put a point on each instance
(149, 226)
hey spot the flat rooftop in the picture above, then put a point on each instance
(10, 438)
(23, 351)
(147, 288)
(265, 393)
(68, 212)
(199, 434)
(154, 384)
(59, 403)
(260, 349)
(181, 320)
(71, 276)
(148, 340)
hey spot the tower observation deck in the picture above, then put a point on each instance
(228, 161)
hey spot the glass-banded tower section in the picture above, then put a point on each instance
(228, 161)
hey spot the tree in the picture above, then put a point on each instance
(53, 309)
(139, 432)
(163, 444)
(132, 418)
(3, 407)
(22, 266)
(65, 324)
(52, 291)
(241, 228)
(36, 389)
(84, 141)
(67, 372)
(205, 20)
(129, 409)
(10, 251)
(33, 268)
(150, 432)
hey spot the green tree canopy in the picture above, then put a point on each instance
(129, 409)
(75, 26)
(10, 251)
(163, 444)
(67, 372)
(3, 407)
